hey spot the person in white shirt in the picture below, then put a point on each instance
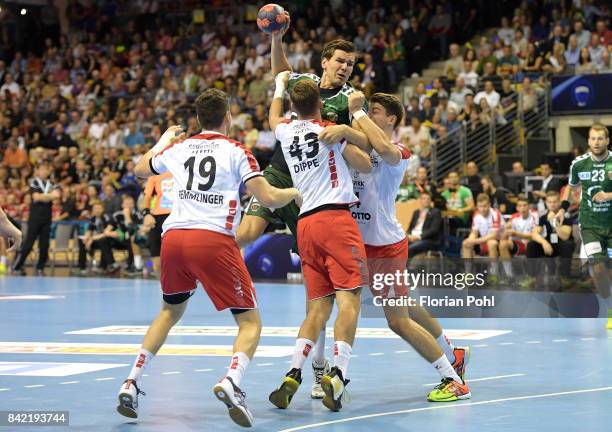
(9, 85)
(517, 234)
(489, 94)
(469, 75)
(459, 92)
(486, 230)
(199, 242)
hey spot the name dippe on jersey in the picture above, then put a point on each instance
(204, 198)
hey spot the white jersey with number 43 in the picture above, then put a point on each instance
(318, 170)
(207, 170)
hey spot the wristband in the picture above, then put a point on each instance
(279, 92)
(145, 212)
(565, 204)
(358, 114)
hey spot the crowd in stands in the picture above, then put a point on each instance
(103, 80)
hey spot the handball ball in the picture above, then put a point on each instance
(271, 18)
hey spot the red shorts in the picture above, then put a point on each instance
(332, 253)
(387, 259)
(188, 256)
(519, 247)
(482, 249)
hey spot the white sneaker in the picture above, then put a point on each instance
(128, 399)
(235, 400)
(317, 373)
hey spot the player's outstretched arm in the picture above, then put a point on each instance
(278, 57)
(375, 135)
(7, 229)
(272, 197)
(143, 167)
(357, 159)
(275, 114)
(336, 133)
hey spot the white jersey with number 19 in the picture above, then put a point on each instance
(318, 171)
(207, 170)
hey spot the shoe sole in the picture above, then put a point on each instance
(237, 413)
(282, 397)
(453, 399)
(328, 400)
(468, 353)
(124, 409)
(317, 394)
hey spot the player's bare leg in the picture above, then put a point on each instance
(505, 248)
(320, 365)
(228, 389)
(319, 311)
(155, 337)
(345, 327)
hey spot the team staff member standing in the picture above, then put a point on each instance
(39, 222)
(156, 206)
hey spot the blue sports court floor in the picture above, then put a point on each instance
(68, 343)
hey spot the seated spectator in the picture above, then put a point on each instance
(550, 183)
(469, 107)
(454, 65)
(133, 136)
(428, 110)
(127, 222)
(572, 53)
(528, 99)
(472, 179)
(490, 74)
(414, 110)
(469, 75)
(14, 159)
(555, 64)
(508, 64)
(413, 189)
(59, 139)
(583, 36)
(97, 237)
(585, 65)
(425, 230)
(507, 100)
(97, 131)
(489, 94)
(110, 200)
(551, 238)
(459, 202)
(519, 44)
(459, 93)
(487, 229)
(498, 198)
(605, 35)
(415, 133)
(518, 230)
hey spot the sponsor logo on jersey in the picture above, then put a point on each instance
(584, 175)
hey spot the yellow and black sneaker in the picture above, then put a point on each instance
(334, 387)
(281, 397)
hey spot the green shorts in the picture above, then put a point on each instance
(288, 214)
(597, 241)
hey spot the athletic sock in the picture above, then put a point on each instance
(445, 369)
(318, 353)
(447, 347)
(3, 260)
(240, 361)
(138, 262)
(342, 355)
(141, 362)
(300, 353)
(508, 268)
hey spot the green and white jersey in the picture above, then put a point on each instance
(335, 101)
(593, 176)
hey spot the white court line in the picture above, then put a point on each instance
(105, 379)
(559, 340)
(376, 354)
(507, 343)
(4, 389)
(534, 342)
(171, 373)
(480, 346)
(484, 379)
(69, 382)
(35, 385)
(401, 351)
(588, 339)
(265, 364)
(202, 370)
(437, 407)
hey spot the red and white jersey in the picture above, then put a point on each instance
(523, 225)
(207, 170)
(375, 213)
(493, 221)
(318, 171)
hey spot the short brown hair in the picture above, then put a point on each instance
(305, 97)
(339, 44)
(211, 107)
(553, 194)
(391, 104)
(523, 198)
(599, 127)
(483, 197)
